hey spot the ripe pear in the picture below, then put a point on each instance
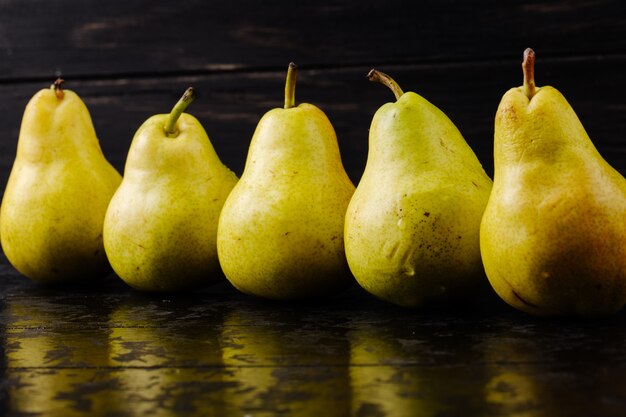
(553, 237)
(412, 225)
(280, 234)
(58, 192)
(160, 228)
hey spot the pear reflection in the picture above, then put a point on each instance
(379, 389)
(52, 360)
(166, 366)
(552, 373)
(394, 372)
(286, 370)
(522, 382)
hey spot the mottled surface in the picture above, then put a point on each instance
(111, 351)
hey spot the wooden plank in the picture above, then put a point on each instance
(70, 328)
(468, 390)
(110, 39)
(120, 352)
(230, 105)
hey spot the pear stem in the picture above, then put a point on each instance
(177, 110)
(528, 66)
(57, 88)
(290, 86)
(384, 79)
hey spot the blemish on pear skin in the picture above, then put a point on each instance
(426, 214)
(522, 300)
(444, 146)
(394, 249)
(507, 114)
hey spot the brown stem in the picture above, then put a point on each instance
(528, 66)
(57, 88)
(384, 79)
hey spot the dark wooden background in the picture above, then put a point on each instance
(131, 59)
(113, 351)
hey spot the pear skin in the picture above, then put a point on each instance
(280, 234)
(553, 237)
(58, 192)
(161, 226)
(412, 226)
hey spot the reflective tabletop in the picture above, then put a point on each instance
(110, 351)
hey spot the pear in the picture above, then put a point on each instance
(280, 233)
(553, 236)
(161, 225)
(58, 192)
(412, 225)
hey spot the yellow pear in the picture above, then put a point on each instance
(553, 237)
(58, 192)
(412, 227)
(160, 228)
(280, 234)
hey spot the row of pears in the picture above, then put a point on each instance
(425, 224)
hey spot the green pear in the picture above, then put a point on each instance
(58, 192)
(161, 225)
(412, 225)
(280, 234)
(553, 237)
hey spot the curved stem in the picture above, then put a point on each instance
(384, 79)
(290, 86)
(177, 110)
(528, 66)
(57, 88)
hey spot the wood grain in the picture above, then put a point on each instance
(163, 38)
(109, 350)
(230, 105)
